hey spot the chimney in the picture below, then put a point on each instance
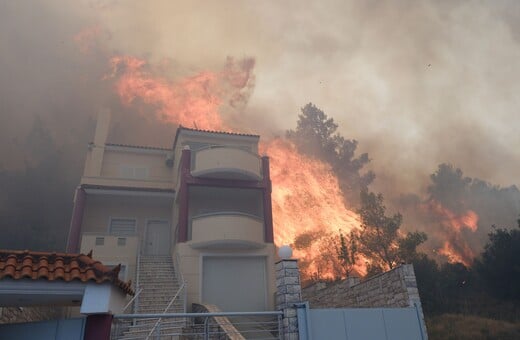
(95, 157)
(103, 123)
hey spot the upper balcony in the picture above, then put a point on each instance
(227, 229)
(226, 162)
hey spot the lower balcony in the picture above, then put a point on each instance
(227, 229)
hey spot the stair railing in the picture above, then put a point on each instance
(132, 300)
(166, 310)
(180, 278)
(137, 270)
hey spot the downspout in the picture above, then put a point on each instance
(77, 217)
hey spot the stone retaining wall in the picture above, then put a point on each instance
(395, 288)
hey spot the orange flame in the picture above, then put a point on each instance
(306, 195)
(188, 102)
(455, 248)
(306, 198)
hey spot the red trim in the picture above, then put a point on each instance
(268, 210)
(98, 327)
(187, 180)
(76, 220)
(185, 176)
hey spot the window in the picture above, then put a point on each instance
(121, 241)
(133, 171)
(100, 241)
(122, 226)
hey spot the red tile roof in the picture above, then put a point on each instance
(17, 265)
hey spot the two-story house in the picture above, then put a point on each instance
(204, 205)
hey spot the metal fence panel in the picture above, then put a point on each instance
(363, 323)
(400, 324)
(327, 324)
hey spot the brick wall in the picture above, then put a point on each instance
(395, 288)
(29, 314)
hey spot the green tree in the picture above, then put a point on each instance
(316, 135)
(407, 246)
(347, 252)
(380, 238)
(499, 265)
(449, 187)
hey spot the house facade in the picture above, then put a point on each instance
(205, 203)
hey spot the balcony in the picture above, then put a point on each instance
(227, 229)
(226, 162)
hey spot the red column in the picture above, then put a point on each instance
(185, 170)
(98, 327)
(268, 210)
(75, 222)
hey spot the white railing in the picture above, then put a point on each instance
(218, 325)
(137, 270)
(180, 279)
(132, 299)
(166, 310)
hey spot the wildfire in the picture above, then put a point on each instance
(305, 196)
(191, 101)
(455, 248)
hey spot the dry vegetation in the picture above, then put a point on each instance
(468, 327)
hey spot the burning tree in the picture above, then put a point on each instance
(380, 239)
(347, 252)
(316, 136)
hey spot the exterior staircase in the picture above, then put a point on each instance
(159, 284)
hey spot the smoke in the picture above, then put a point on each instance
(416, 83)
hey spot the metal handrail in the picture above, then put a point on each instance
(165, 310)
(132, 299)
(180, 277)
(137, 270)
(192, 315)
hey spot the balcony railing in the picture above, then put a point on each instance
(227, 228)
(226, 162)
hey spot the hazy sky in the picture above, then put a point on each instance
(418, 83)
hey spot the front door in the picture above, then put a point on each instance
(157, 238)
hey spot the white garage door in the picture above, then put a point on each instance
(234, 284)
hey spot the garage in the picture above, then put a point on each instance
(234, 283)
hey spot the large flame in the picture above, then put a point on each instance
(306, 195)
(455, 248)
(191, 101)
(306, 199)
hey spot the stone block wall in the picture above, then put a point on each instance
(395, 288)
(29, 314)
(288, 293)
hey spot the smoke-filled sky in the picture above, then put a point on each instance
(416, 82)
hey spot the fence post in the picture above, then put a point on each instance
(288, 292)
